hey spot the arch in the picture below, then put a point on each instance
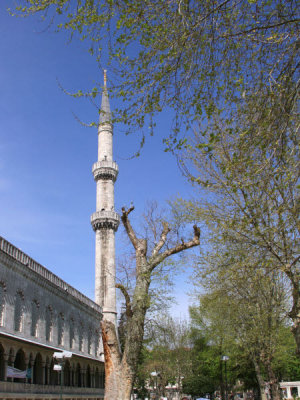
(53, 374)
(2, 363)
(88, 377)
(97, 341)
(80, 336)
(72, 332)
(60, 329)
(38, 370)
(49, 323)
(89, 340)
(11, 357)
(10, 360)
(97, 378)
(47, 370)
(19, 311)
(20, 363)
(78, 375)
(30, 365)
(34, 317)
(67, 373)
(102, 377)
(2, 301)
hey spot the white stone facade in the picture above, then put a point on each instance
(40, 314)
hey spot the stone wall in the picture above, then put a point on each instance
(38, 306)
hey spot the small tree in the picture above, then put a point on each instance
(169, 351)
(120, 368)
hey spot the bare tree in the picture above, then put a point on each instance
(121, 367)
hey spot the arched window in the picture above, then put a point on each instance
(80, 336)
(67, 373)
(34, 317)
(2, 301)
(19, 311)
(97, 342)
(60, 328)
(49, 323)
(72, 333)
(38, 370)
(88, 381)
(78, 375)
(89, 340)
(102, 377)
(97, 378)
(20, 363)
(2, 363)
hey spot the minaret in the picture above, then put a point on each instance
(105, 220)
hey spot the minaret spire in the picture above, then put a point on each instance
(105, 220)
(105, 78)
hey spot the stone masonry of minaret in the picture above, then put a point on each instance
(105, 220)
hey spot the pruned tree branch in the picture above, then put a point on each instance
(128, 227)
(162, 239)
(154, 261)
(127, 299)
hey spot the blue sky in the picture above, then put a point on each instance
(47, 191)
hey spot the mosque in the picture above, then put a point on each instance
(41, 315)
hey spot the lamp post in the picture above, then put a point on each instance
(225, 359)
(155, 375)
(61, 357)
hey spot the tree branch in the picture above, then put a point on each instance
(127, 299)
(162, 239)
(128, 227)
(154, 261)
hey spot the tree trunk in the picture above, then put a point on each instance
(274, 387)
(118, 375)
(295, 316)
(120, 369)
(260, 380)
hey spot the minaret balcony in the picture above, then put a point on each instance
(105, 220)
(105, 170)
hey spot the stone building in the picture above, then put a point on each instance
(41, 314)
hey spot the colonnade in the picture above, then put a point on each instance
(77, 372)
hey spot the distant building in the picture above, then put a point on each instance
(290, 390)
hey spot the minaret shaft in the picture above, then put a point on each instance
(105, 149)
(105, 220)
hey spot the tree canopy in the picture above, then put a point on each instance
(196, 57)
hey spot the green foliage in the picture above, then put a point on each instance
(243, 312)
(168, 353)
(195, 57)
(204, 375)
(248, 170)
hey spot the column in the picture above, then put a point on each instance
(5, 356)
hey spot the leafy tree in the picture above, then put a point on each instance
(245, 308)
(205, 374)
(249, 172)
(195, 57)
(169, 352)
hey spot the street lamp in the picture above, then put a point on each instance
(225, 359)
(61, 357)
(155, 375)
